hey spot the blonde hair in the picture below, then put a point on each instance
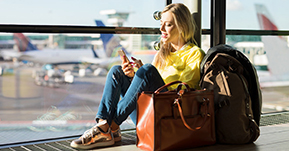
(186, 26)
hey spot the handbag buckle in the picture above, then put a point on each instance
(181, 92)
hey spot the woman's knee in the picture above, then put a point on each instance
(115, 69)
(146, 68)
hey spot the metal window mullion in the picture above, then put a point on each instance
(76, 29)
(123, 30)
(218, 22)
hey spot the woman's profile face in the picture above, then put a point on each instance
(168, 28)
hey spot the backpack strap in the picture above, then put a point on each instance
(253, 125)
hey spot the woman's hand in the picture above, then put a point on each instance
(127, 68)
(137, 62)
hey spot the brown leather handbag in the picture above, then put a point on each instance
(175, 120)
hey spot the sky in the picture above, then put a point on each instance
(241, 14)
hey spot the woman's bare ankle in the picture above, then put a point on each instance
(114, 126)
(102, 124)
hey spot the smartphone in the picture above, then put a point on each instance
(123, 55)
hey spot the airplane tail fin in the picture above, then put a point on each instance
(276, 47)
(266, 21)
(111, 43)
(23, 42)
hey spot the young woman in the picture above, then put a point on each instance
(178, 59)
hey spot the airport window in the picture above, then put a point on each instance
(54, 99)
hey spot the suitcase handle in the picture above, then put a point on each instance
(205, 103)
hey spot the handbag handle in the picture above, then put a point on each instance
(184, 120)
(172, 83)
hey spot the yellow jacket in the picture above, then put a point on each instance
(183, 65)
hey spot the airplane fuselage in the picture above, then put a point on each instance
(56, 56)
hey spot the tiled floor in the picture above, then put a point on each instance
(274, 136)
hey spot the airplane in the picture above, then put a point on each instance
(277, 51)
(28, 52)
(108, 56)
(103, 58)
(111, 45)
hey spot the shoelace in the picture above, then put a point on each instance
(89, 133)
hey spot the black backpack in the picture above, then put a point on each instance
(237, 98)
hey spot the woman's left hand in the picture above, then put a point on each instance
(127, 68)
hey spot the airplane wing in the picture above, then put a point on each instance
(103, 58)
(102, 62)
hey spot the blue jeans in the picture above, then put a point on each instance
(117, 85)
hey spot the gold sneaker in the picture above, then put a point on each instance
(94, 137)
(116, 135)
